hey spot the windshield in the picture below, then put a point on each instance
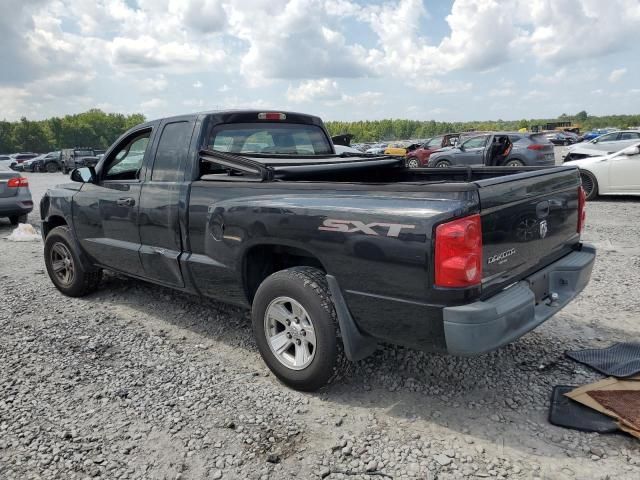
(270, 138)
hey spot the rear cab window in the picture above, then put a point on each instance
(270, 138)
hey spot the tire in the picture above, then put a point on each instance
(589, 184)
(74, 280)
(413, 163)
(513, 163)
(16, 219)
(290, 306)
(51, 167)
(442, 164)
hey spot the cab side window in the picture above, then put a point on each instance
(126, 161)
(172, 152)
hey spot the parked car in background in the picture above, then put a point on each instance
(47, 162)
(420, 156)
(603, 145)
(5, 160)
(591, 134)
(377, 149)
(559, 138)
(340, 149)
(15, 196)
(513, 149)
(74, 158)
(614, 174)
(401, 149)
(20, 158)
(31, 165)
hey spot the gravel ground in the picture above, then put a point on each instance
(138, 381)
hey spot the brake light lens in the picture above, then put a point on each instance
(458, 253)
(271, 116)
(17, 182)
(536, 146)
(582, 211)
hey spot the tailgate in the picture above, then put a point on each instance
(4, 190)
(528, 221)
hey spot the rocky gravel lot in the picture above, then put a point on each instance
(137, 381)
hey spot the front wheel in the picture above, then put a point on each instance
(442, 164)
(295, 325)
(51, 167)
(589, 185)
(64, 267)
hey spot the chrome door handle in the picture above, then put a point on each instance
(126, 202)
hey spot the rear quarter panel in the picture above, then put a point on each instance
(377, 244)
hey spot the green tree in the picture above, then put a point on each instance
(582, 116)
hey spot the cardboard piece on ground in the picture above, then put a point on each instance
(629, 430)
(580, 395)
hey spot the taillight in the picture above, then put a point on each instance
(582, 212)
(458, 255)
(536, 146)
(271, 116)
(18, 182)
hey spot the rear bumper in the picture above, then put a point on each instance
(489, 324)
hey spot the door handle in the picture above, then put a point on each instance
(126, 202)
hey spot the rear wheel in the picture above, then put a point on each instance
(514, 163)
(295, 325)
(16, 219)
(51, 167)
(413, 163)
(64, 267)
(442, 164)
(589, 184)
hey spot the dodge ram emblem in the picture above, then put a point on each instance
(543, 228)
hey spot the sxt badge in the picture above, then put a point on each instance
(353, 226)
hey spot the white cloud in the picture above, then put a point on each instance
(327, 92)
(617, 74)
(197, 84)
(224, 88)
(314, 90)
(153, 104)
(293, 39)
(154, 84)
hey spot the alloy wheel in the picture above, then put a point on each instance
(62, 264)
(290, 333)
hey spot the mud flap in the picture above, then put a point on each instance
(356, 344)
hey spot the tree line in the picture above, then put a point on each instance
(98, 129)
(94, 128)
(397, 129)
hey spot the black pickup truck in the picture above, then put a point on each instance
(333, 253)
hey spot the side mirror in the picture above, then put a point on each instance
(630, 151)
(84, 175)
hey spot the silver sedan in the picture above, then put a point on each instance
(15, 196)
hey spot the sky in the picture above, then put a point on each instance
(446, 60)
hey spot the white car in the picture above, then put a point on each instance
(614, 174)
(344, 149)
(602, 145)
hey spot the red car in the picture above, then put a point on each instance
(420, 156)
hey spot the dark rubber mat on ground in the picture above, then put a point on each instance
(568, 413)
(620, 360)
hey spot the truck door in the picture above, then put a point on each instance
(105, 213)
(162, 203)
